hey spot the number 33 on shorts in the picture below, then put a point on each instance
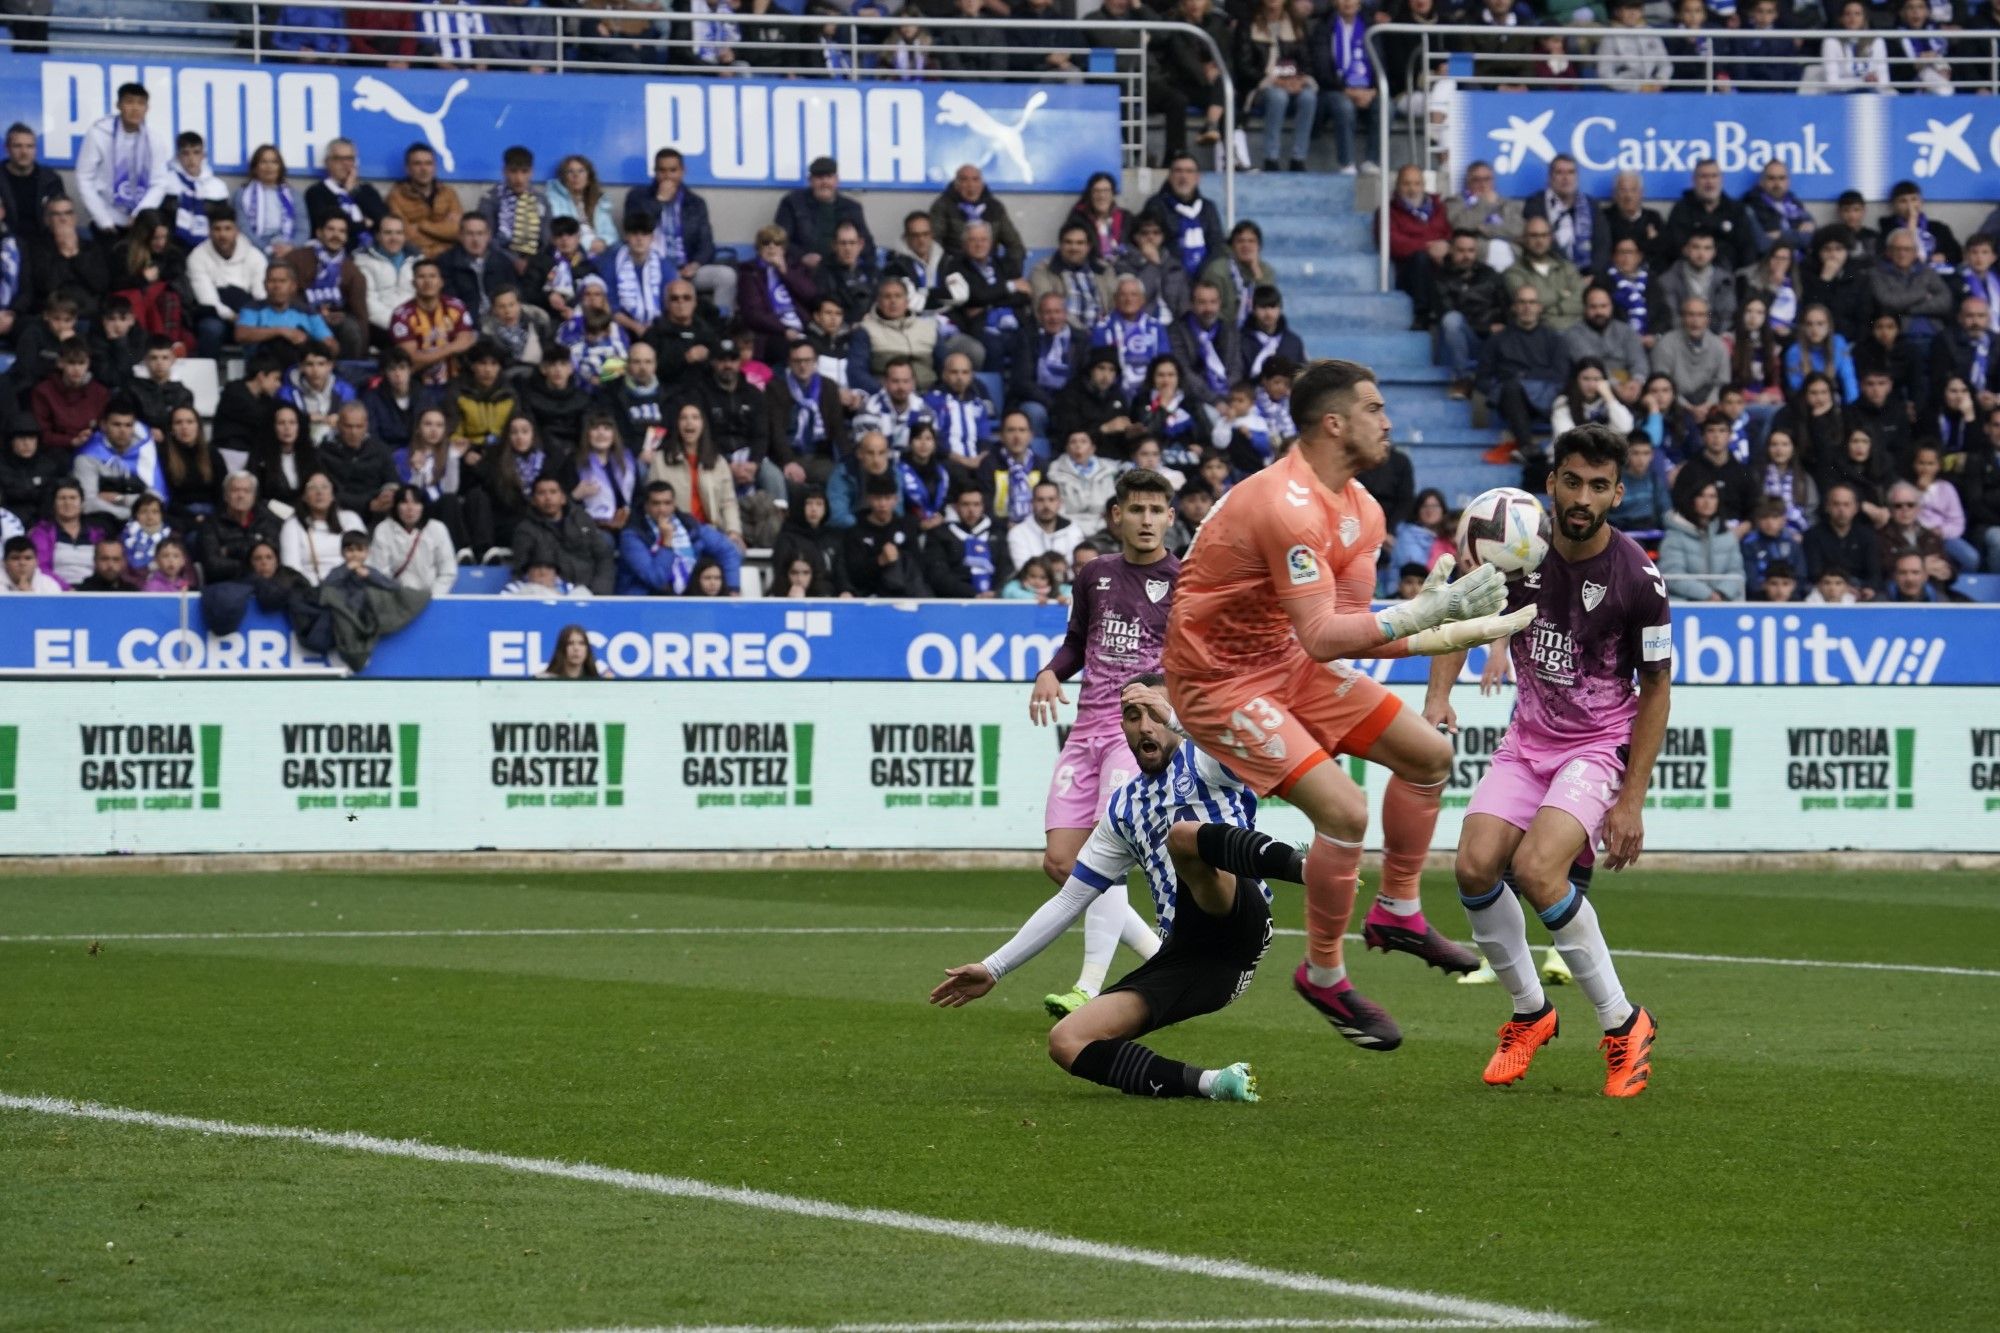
(1256, 726)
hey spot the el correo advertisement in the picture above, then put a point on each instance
(733, 132)
(212, 766)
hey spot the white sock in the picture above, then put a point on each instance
(1101, 926)
(1205, 1085)
(1137, 936)
(1400, 906)
(1500, 929)
(1326, 976)
(1582, 946)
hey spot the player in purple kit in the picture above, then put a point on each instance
(1574, 767)
(1117, 630)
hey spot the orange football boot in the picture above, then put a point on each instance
(1628, 1055)
(1520, 1038)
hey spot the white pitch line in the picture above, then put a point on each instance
(534, 932)
(980, 1233)
(1053, 1326)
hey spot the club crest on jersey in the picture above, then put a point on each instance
(1350, 530)
(1301, 565)
(1156, 589)
(1593, 593)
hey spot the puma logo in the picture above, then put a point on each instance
(1001, 139)
(371, 94)
(1157, 1087)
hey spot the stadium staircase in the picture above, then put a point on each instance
(1323, 249)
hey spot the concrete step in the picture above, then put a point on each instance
(1325, 336)
(1409, 376)
(1387, 312)
(1300, 268)
(1260, 195)
(1427, 411)
(1322, 231)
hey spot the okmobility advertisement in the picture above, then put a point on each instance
(1948, 146)
(772, 640)
(733, 132)
(332, 765)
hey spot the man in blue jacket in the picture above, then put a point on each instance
(658, 549)
(681, 230)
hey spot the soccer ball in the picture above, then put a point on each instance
(1506, 528)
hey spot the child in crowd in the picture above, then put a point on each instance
(171, 570)
(145, 533)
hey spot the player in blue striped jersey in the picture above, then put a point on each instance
(1187, 823)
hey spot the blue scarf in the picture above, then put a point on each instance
(1572, 226)
(1628, 299)
(10, 271)
(325, 286)
(781, 298)
(808, 423)
(999, 318)
(269, 210)
(675, 537)
(1052, 365)
(836, 56)
(1266, 345)
(960, 421)
(131, 166)
(1350, 52)
(1080, 289)
(667, 235)
(190, 222)
(1778, 482)
(1927, 251)
(1193, 242)
(1180, 446)
(1021, 479)
(978, 555)
(639, 289)
(358, 233)
(1982, 357)
(925, 497)
(1739, 437)
(527, 467)
(1214, 371)
(1784, 309)
(1986, 286)
(141, 545)
(1137, 343)
(1277, 413)
(614, 482)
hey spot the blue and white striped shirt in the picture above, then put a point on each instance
(1133, 832)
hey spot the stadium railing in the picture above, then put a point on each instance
(774, 44)
(1439, 66)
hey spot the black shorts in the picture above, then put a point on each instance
(1207, 961)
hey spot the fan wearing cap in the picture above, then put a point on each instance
(28, 472)
(812, 214)
(597, 347)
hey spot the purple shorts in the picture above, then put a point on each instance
(1582, 785)
(1088, 771)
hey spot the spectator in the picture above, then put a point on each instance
(1419, 240)
(117, 343)
(965, 418)
(1694, 359)
(23, 575)
(1094, 401)
(882, 548)
(184, 190)
(1908, 582)
(1165, 411)
(28, 472)
(120, 461)
(1097, 208)
(1835, 588)
(919, 261)
(660, 549)
(1908, 289)
(26, 186)
(1696, 275)
(1765, 63)
(1702, 561)
(1238, 274)
(554, 279)
(429, 208)
(1522, 368)
(808, 420)
(1626, 217)
(1075, 274)
(1276, 62)
(1862, 469)
(122, 157)
(1967, 353)
(1274, 399)
(1976, 475)
(556, 402)
(1425, 536)
(481, 400)
(1776, 211)
(985, 291)
(1047, 531)
(110, 570)
(1182, 75)
(1918, 59)
(1496, 222)
(1887, 349)
(1393, 483)
(1239, 427)
(1779, 473)
(1205, 344)
(1344, 68)
(412, 548)
(1614, 344)
(226, 276)
(1588, 397)
(602, 476)
(891, 331)
(597, 347)
(1631, 288)
(849, 276)
(1148, 260)
(732, 406)
(522, 332)
(63, 268)
(539, 579)
(431, 327)
(1631, 59)
(388, 273)
(1570, 216)
(1977, 277)
(1904, 532)
(427, 461)
(896, 408)
(507, 477)
(1814, 420)
(1770, 542)
(1705, 206)
(360, 467)
(927, 479)
(690, 460)
(1772, 283)
(966, 50)
(268, 211)
(1557, 284)
(310, 539)
(1942, 574)
(390, 400)
(559, 534)
(67, 404)
(280, 317)
(637, 401)
(1641, 512)
(809, 539)
(1135, 334)
(1471, 305)
(1852, 64)
(682, 234)
(1885, 416)
(968, 199)
(334, 286)
(1830, 281)
(1189, 221)
(1819, 350)
(572, 658)
(845, 496)
(1939, 508)
(576, 196)
(517, 211)
(312, 387)
(66, 538)
(1007, 475)
(1957, 416)
(684, 337)
(472, 269)
(810, 215)
(1716, 464)
(342, 192)
(143, 532)
(1781, 583)
(1085, 481)
(965, 555)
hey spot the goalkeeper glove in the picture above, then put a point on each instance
(1462, 634)
(1483, 592)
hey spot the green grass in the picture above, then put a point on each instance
(1817, 1150)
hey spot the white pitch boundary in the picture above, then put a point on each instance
(979, 1233)
(1054, 1326)
(557, 932)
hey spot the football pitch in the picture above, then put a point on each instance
(539, 1102)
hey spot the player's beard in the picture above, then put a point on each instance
(1592, 522)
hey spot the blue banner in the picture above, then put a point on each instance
(734, 132)
(1830, 144)
(646, 638)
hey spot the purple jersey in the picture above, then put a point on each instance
(1117, 630)
(1597, 621)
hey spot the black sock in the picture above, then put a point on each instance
(1136, 1071)
(1245, 851)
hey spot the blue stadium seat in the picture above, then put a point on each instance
(1979, 587)
(481, 579)
(995, 389)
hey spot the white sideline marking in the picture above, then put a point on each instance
(1052, 1326)
(982, 1233)
(531, 932)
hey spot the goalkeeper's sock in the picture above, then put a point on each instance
(1333, 869)
(1136, 1071)
(1409, 817)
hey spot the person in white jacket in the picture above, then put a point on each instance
(1630, 58)
(1085, 480)
(226, 273)
(389, 268)
(122, 156)
(310, 540)
(187, 187)
(413, 548)
(1851, 64)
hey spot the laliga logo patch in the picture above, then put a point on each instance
(1302, 565)
(1350, 530)
(1156, 589)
